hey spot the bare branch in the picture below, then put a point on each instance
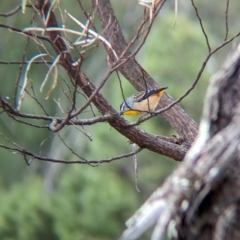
(226, 20)
(25, 81)
(24, 33)
(201, 24)
(25, 62)
(10, 13)
(139, 78)
(26, 154)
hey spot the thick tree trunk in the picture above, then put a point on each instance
(201, 199)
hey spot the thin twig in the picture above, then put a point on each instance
(17, 30)
(54, 120)
(25, 80)
(226, 20)
(10, 13)
(25, 62)
(201, 24)
(22, 151)
(71, 149)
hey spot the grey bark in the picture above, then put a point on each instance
(201, 199)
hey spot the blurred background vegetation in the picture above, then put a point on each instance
(56, 201)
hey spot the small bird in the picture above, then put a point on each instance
(144, 101)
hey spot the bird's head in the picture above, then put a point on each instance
(126, 108)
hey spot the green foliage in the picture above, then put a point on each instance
(87, 204)
(23, 213)
(100, 201)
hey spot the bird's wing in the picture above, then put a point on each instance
(144, 95)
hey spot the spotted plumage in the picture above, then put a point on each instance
(144, 101)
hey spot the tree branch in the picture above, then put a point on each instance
(195, 197)
(139, 78)
(142, 139)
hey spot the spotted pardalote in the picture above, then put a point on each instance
(144, 101)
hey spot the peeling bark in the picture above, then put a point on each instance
(201, 199)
